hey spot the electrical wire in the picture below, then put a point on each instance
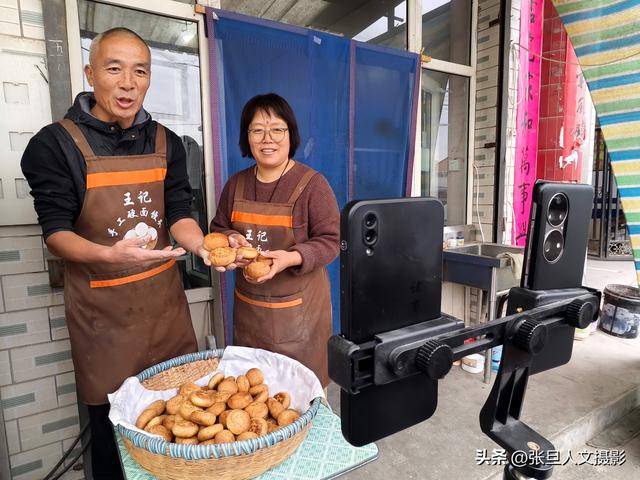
(68, 452)
(477, 176)
(73, 461)
(616, 60)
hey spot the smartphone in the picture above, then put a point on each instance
(390, 277)
(556, 246)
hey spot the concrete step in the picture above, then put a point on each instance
(620, 433)
(622, 436)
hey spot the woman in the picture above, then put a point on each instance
(289, 212)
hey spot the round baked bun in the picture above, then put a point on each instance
(222, 256)
(263, 259)
(256, 270)
(249, 253)
(215, 240)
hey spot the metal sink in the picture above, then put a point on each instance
(475, 265)
(481, 254)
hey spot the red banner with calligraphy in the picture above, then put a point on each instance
(531, 18)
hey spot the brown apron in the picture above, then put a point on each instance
(123, 318)
(289, 314)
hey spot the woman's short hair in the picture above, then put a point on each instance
(277, 106)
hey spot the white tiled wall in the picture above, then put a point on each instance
(13, 438)
(29, 290)
(37, 385)
(58, 323)
(32, 22)
(35, 464)
(486, 119)
(1, 299)
(32, 25)
(21, 255)
(9, 17)
(48, 427)
(36, 361)
(24, 327)
(28, 398)
(488, 51)
(66, 389)
(5, 368)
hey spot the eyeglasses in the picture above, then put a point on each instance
(258, 134)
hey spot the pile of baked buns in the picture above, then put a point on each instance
(221, 255)
(228, 409)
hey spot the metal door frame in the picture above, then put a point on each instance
(610, 243)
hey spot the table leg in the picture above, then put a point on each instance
(491, 315)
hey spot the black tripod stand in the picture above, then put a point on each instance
(536, 340)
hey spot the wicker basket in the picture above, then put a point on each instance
(227, 461)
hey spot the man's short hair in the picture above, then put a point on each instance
(276, 105)
(95, 43)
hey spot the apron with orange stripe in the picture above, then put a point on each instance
(123, 318)
(289, 314)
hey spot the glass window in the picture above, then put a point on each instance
(444, 143)
(446, 30)
(173, 98)
(383, 22)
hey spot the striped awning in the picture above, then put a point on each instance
(606, 38)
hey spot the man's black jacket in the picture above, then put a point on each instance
(56, 170)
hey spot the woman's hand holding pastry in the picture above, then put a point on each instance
(245, 253)
(281, 260)
(236, 240)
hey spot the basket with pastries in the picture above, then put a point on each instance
(213, 414)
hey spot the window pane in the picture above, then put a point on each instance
(446, 30)
(173, 98)
(382, 22)
(445, 137)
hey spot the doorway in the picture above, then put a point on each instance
(608, 234)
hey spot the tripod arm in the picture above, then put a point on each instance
(500, 416)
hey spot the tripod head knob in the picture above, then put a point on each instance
(531, 336)
(434, 359)
(580, 313)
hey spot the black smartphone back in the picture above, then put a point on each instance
(391, 277)
(390, 265)
(558, 232)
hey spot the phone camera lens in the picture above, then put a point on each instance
(370, 220)
(553, 246)
(370, 237)
(558, 209)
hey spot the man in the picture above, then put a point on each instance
(109, 184)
